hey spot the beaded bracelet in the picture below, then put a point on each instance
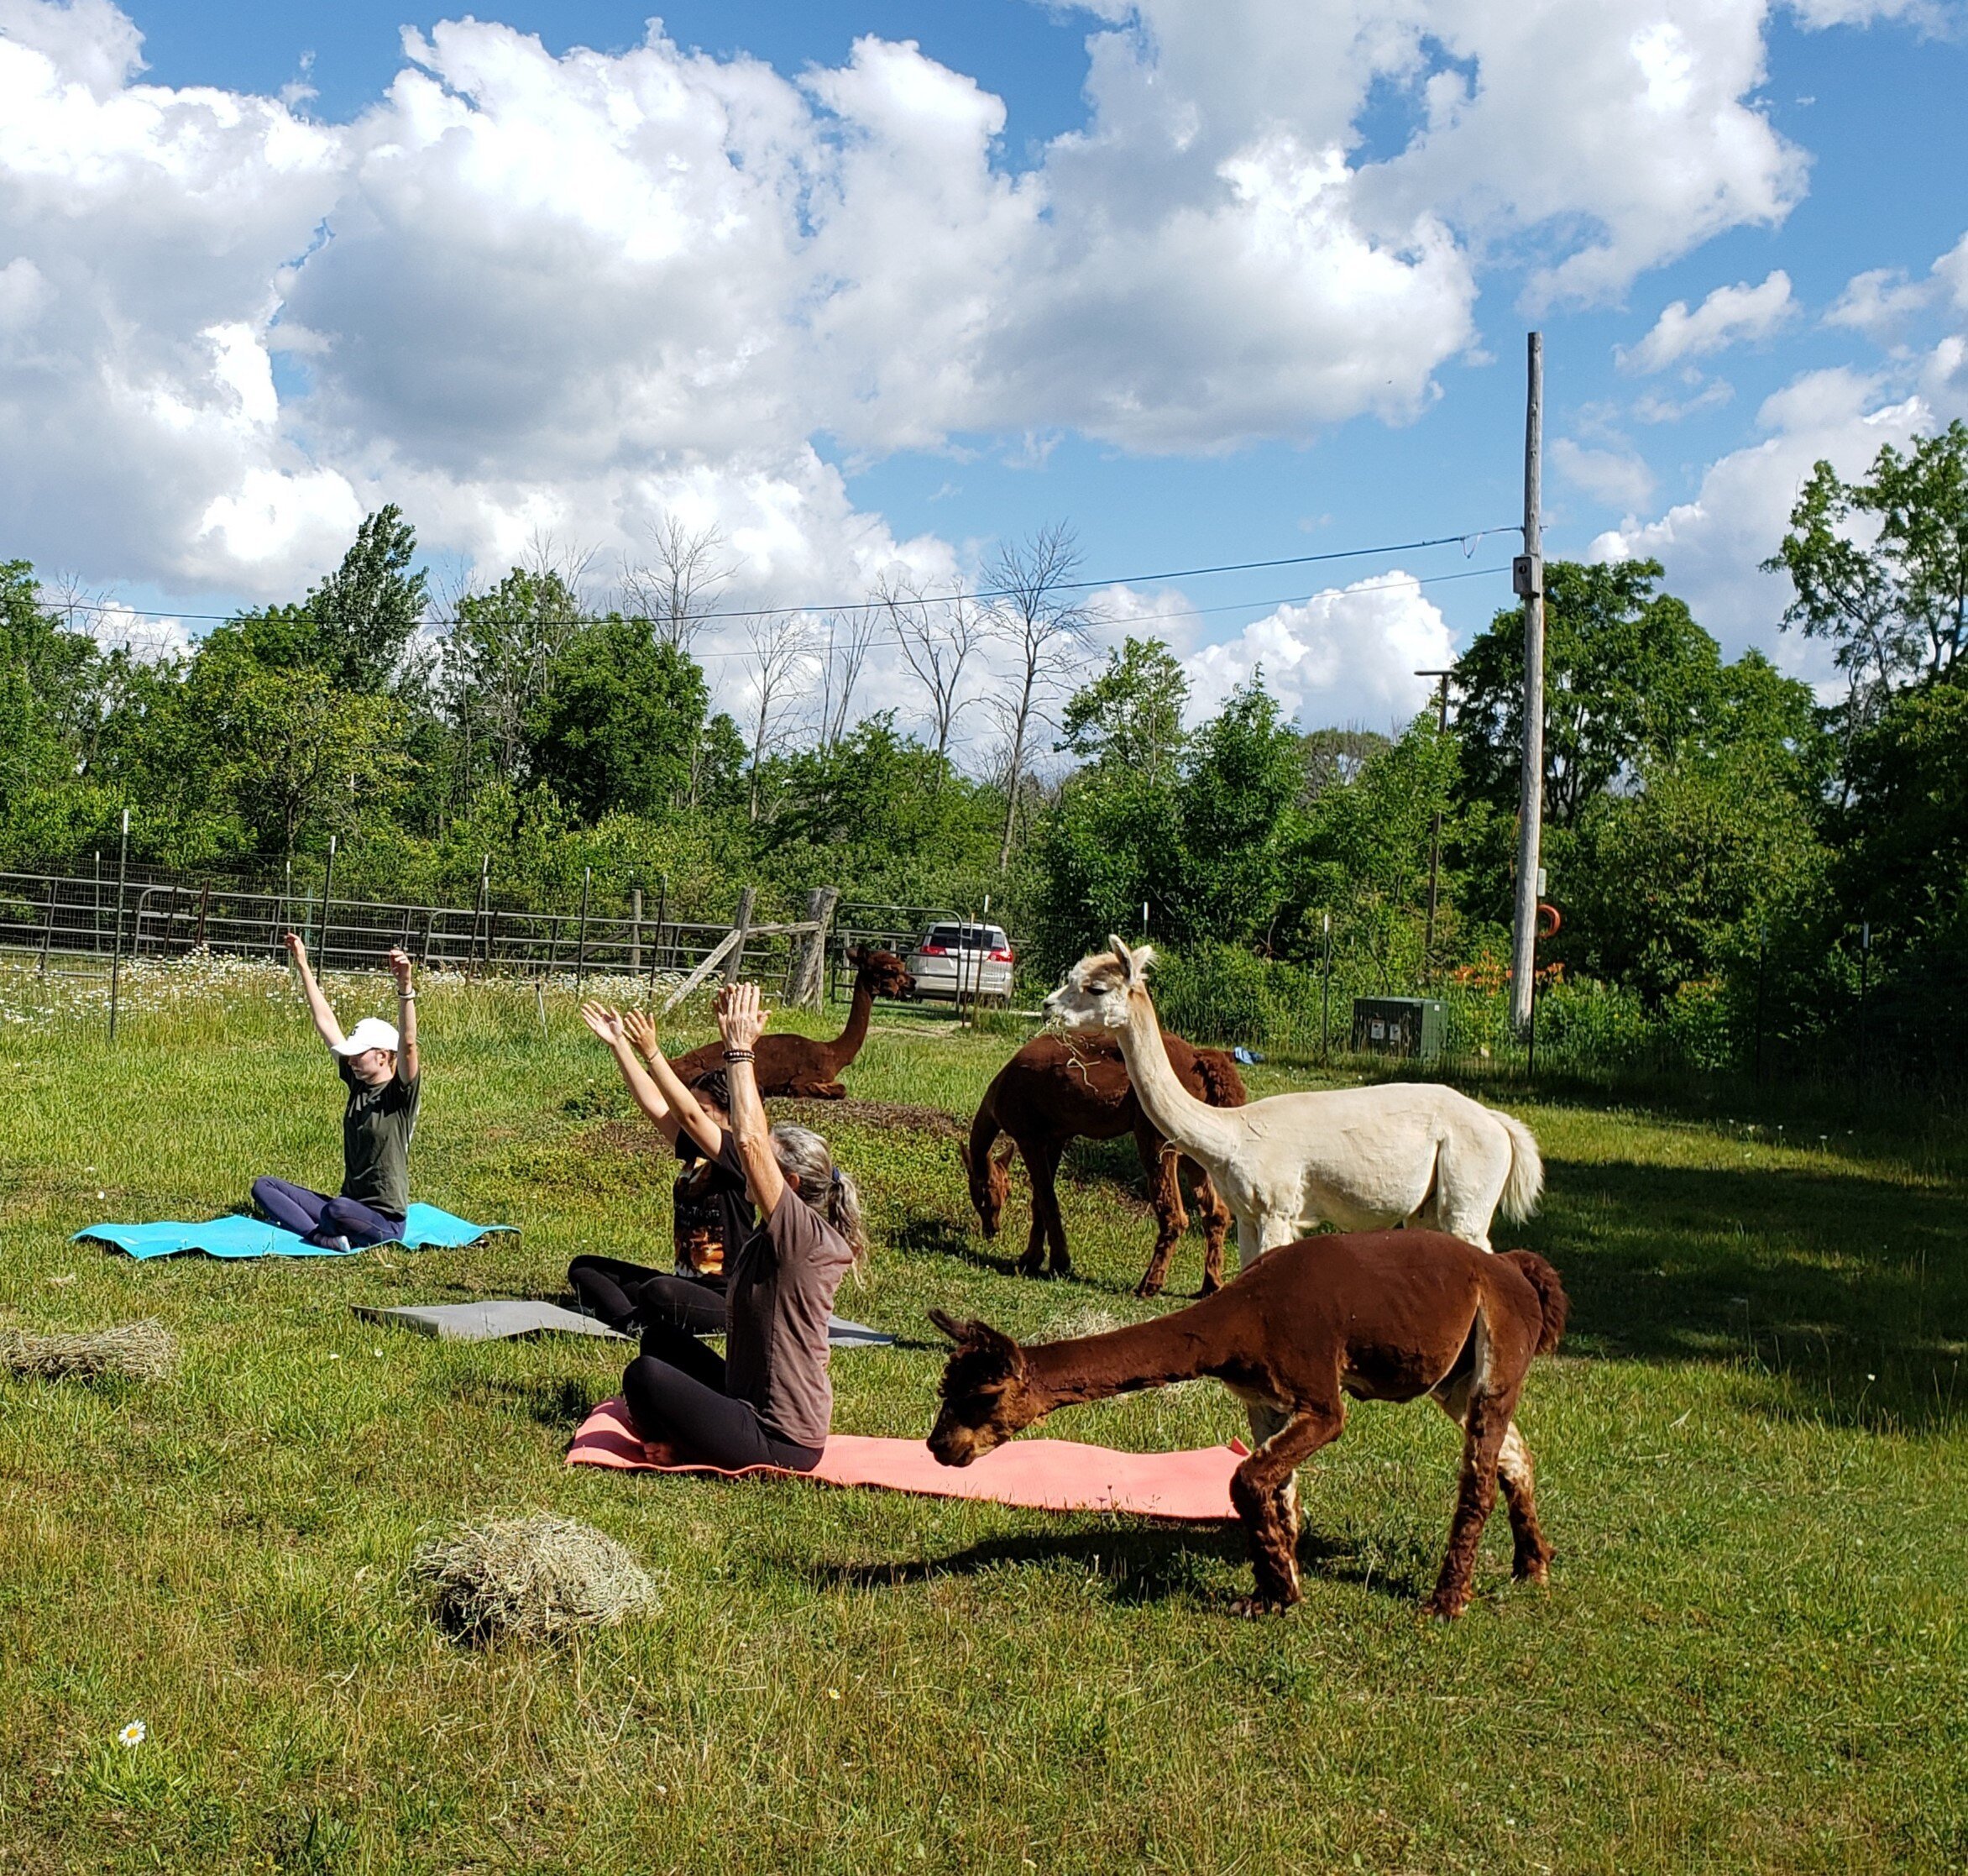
(738, 1055)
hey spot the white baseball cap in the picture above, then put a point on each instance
(372, 1032)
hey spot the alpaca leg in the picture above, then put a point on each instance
(1216, 1226)
(1259, 1489)
(1253, 1241)
(1048, 1224)
(1489, 1421)
(1530, 1555)
(1165, 1192)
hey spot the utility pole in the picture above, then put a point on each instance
(1528, 578)
(1434, 829)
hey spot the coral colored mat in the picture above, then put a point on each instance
(1047, 1475)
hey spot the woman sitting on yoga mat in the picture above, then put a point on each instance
(769, 1401)
(378, 1061)
(712, 1214)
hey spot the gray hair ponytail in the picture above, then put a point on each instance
(809, 1168)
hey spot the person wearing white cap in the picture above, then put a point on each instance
(379, 1063)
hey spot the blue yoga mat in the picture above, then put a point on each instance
(242, 1237)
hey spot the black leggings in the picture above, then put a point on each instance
(676, 1391)
(628, 1296)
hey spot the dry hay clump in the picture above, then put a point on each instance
(133, 1351)
(535, 1578)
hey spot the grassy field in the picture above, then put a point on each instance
(1752, 1454)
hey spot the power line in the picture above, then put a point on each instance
(1133, 619)
(1467, 541)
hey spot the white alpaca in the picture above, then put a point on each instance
(1361, 1159)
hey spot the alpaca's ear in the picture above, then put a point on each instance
(959, 1333)
(1003, 1157)
(1123, 955)
(857, 954)
(963, 1152)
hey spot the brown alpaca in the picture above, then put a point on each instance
(1060, 1088)
(799, 1064)
(1378, 1315)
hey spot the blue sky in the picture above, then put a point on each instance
(1142, 240)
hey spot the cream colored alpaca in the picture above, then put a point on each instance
(1361, 1159)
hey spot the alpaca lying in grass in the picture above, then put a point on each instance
(1380, 1315)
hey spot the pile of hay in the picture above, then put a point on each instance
(532, 1578)
(135, 1351)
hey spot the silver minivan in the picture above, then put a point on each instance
(964, 960)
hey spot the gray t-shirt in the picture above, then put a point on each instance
(376, 1128)
(781, 1295)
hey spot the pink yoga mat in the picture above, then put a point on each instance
(1047, 1475)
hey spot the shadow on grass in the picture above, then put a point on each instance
(1849, 1294)
(559, 1405)
(1136, 1565)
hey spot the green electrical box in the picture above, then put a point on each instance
(1416, 1026)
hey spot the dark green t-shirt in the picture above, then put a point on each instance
(376, 1130)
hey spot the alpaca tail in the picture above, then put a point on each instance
(1222, 1086)
(1551, 1299)
(1525, 1182)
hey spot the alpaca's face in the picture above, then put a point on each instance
(986, 1399)
(990, 1183)
(1095, 993)
(885, 973)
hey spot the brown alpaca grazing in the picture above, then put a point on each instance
(1060, 1088)
(1377, 1315)
(800, 1066)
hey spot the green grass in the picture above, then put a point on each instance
(1752, 1461)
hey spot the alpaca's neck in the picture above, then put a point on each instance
(1207, 1133)
(846, 1046)
(1150, 1354)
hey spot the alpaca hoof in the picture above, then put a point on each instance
(1446, 1607)
(1030, 1267)
(1210, 1285)
(1532, 1569)
(1145, 1289)
(1253, 1608)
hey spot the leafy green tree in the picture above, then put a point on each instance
(292, 757)
(622, 712)
(1678, 879)
(1895, 603)
(1628, 674)
(1130, 714)
(1903, 838)
(356, 626)
(46, 686)
(1237, 805)
(500, 660)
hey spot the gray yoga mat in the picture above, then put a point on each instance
(500, 1318)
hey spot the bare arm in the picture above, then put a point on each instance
(741, 1022)
(407, 1061)
(690, 1116)
(325, 1026)
(607, 1026)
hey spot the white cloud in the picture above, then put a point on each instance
(1619, 478)
(1878, 301)
(1704, 395)
(1951, 270)
(524, 293)
(1713, 545)
(1729, 316)
(1345, 656)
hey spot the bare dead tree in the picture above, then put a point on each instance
(847, 636)
(936, 636)
(1034, 613)
(781, 646)
(677, 586)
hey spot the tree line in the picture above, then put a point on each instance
(1713, 827)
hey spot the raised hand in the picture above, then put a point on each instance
(296, 949)
(640, 1031)
(605, 1025)
(400, 969)
(741, 1019)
